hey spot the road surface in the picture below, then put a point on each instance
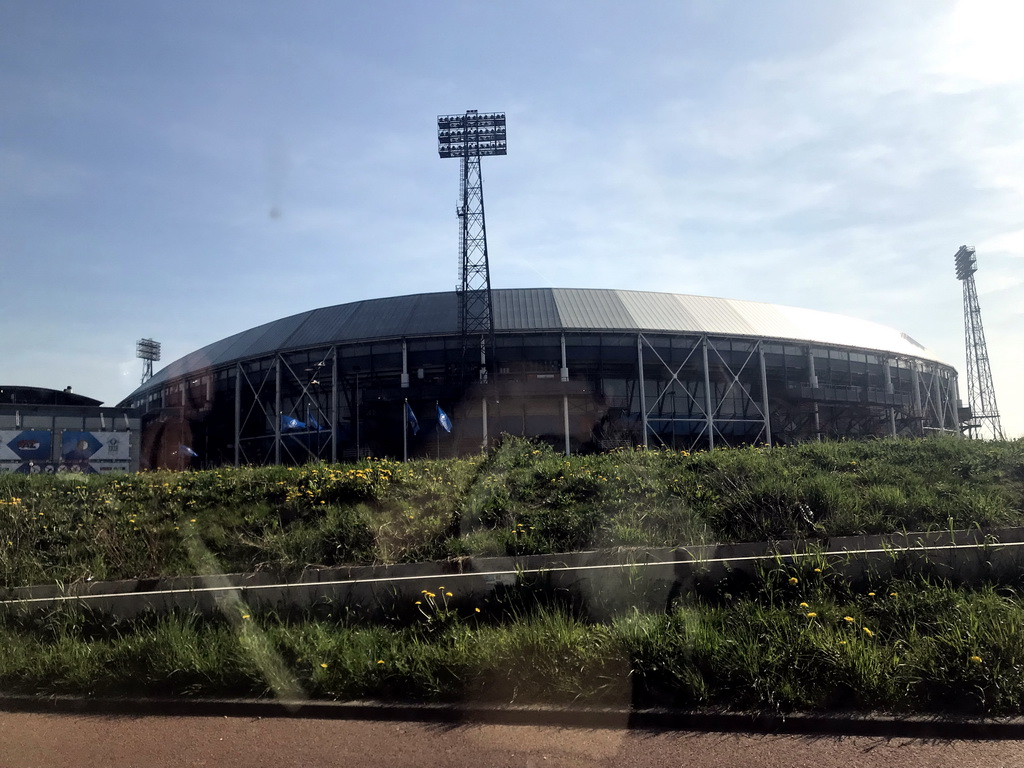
(75, 741)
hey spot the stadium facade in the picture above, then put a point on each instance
(586, 370)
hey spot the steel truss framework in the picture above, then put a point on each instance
(704, 399)
(300, 412)
(580, 390)
(981, 391)
(713, 381)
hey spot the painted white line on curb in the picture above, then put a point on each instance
(505, 573)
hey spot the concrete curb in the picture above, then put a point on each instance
(600, 579)
(877, 725)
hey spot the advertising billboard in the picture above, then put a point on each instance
(24, 445)
(31, 451)
(94, 451)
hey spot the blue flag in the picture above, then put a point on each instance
(290, 422)
(443, 420)
(184, 449)
(313, 422)
(410, 417)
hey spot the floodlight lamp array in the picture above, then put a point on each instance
(473, 134)
(966, 262)
(147, 349)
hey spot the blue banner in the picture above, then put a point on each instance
(290, 422)
(443, 420)
(32, 444)
(410, 418)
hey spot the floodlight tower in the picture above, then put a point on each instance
(147, 351)
(470, 137)
(981, 393)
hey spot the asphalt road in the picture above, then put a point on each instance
(53, 741)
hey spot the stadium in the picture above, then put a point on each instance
(584, 369)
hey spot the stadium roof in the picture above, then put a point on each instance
(545, 309)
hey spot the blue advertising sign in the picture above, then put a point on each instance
(31, 444)
(78, 446)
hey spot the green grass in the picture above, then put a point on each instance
(520, 498)
(743, 643)
(913, 646)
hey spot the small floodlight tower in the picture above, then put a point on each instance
(147, 351)
(470, 137)
(981, 392)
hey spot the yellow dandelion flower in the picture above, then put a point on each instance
(447, 594)
(804, 605)
(811, 615)
(871, 594)
(419, 602)
(976, 659)
(842, 642)
(323, 666)
(817, 570)
(868, 632)
(848, 619)
(477, 610)
(380, 661)
(794, 580)
(246, 616)
(894, 594)
(192, 520)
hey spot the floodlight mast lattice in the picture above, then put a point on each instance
(470, 137)
(147, 351)
(981, 392)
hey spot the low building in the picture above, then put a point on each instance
(52, 430)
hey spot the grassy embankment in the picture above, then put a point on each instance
(520, 499)
(792, 639)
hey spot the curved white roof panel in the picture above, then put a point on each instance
(547, 309)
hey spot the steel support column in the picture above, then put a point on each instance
(915, 378)
(483, 409)
(564, 373)
(764, 395)
(277, 409)
(641, 387)
(565, 422)
(937, 406)
(405, 365)
(707, 394)
(812, 380)
(238, 413)
(887, 372)
(334, 405)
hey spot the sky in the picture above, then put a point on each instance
(185, 170)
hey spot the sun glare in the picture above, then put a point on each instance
(979, 43)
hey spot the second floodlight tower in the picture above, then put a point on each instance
(981, 391)
(148, 351)
(469, 137)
